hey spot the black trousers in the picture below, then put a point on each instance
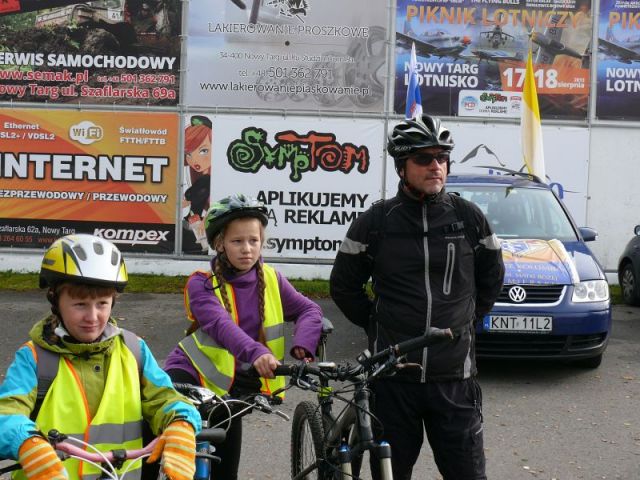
(451, 415)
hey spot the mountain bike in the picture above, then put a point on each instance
(330, 446)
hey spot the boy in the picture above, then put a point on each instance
(104, 382)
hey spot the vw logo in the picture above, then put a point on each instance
(517, 294)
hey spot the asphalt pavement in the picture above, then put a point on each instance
(543, 420)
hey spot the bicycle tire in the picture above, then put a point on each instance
(307, 441)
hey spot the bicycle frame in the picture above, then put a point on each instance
(339, 441)
(348, 434)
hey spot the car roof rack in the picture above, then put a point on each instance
(515, 173)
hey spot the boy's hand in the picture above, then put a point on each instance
(177, 445)
(39, 460)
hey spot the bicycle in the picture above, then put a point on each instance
(109, 463)
(333, 445)
(216, 413)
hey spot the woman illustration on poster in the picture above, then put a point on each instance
(197, 181)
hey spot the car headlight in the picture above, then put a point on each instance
(591, 291)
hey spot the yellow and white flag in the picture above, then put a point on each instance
(530, 125)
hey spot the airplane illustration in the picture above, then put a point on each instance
(436, 43)
(550, 44)
(625, 51)
(496, 55)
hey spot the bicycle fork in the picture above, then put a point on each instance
(382, 450)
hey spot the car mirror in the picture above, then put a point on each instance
(588, 234)
(637, 230)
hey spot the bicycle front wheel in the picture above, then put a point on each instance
(307, 443)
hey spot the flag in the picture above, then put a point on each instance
(530, 125)
(414, 99)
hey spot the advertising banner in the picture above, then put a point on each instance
(472, 54)
(309, 55)
(103, 52)
(493, 149)
(109, 174)
(618, 62)
(314, 175)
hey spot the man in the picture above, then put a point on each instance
(434, 261)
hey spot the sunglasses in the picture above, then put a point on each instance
(425, 159)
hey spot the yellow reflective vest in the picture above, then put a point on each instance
(118, 419)
(214, 363)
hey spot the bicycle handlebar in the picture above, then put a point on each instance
(387, 357)
(111, 456)
(432, 336)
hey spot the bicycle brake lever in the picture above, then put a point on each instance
(262, 404)
(282, 415)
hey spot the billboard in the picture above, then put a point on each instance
(314, 175)
(618, 61)
(101, 52)
(471, 55)
(109, 174)
(311, 55)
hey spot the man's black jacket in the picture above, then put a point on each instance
(432, 263)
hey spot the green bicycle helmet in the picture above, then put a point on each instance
(85, 259)
(229, 208)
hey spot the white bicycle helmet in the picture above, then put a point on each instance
(86, 259)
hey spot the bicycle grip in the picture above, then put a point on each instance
(432, 336)
(280, 371)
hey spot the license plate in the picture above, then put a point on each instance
(517, 323)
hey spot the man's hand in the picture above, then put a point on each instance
(177, 445)
(39, 460)
(265, 365)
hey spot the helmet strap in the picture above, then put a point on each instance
(226, 264)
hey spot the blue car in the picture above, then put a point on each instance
(555, 300)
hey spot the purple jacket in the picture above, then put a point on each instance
(241, 340)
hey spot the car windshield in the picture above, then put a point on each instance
(517, 212)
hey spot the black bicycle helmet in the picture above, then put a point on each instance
(85, 259)
(229, 208)
(414, 134)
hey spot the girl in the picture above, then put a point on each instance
(238, 308)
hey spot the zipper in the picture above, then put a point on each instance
(425, 242)
(448, 271)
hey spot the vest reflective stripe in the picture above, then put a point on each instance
(214, 379)
(274, 332)
(117, 422)
(214, 363)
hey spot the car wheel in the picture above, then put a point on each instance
(593, 362)
(629, 285)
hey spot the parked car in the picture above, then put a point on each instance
(629, 270)
(555, 300)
